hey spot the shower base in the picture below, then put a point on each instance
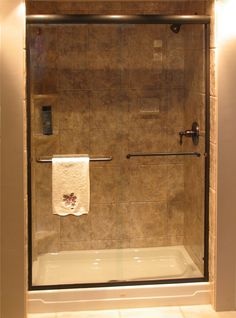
(108, 265)
(114, 265)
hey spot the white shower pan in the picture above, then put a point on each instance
(102, 266)
(71, 267)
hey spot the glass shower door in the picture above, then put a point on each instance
(130, 93)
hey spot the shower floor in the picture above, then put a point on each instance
(99, 266)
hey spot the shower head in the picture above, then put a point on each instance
(175, 28)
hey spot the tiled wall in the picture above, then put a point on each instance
(109, 111)
(100, 80)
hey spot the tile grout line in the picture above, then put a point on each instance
(181, 311)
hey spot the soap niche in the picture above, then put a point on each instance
(149, 107)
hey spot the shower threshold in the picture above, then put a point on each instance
(113, 265)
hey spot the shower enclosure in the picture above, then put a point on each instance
(132, 92)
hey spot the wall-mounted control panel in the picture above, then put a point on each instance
(47, 120)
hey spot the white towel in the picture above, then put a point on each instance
(70, 184)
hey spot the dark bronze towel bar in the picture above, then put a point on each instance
(49, 160)
(162, 154)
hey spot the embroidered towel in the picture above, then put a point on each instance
(70, 184)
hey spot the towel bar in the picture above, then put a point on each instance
(49, 160)
(162, 154)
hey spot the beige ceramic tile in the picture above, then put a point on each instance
(109, 110)
(108, 77)
(90, 314)
(73, 228)
(74, 110)
(103, 37)
(149, 242)
(74, 141)
(229, 314)
(213, 168)
(213, 72)
(147, 219)
(174, 240)
(146, 79)
(148, 139)
(213, 119)
(148, 183)
(197, 36)
(212, 261)
(194, 72)
(45, 146)
(97, 7)
(212, 12)
(48, 244)
(135, 7)
(52, 315)
(175, 59)
(203, 311)
(176, 108)
(75, 246)
(110, 244)
(104, 182)
(212, 208)
(71, 47)
(71, 7)
(66, 79)
(175, 182)
(42, 79)
(175, 220)
(163, 312)
(104, 221)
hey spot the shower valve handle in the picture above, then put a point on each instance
(193, 133)
(186, 133)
